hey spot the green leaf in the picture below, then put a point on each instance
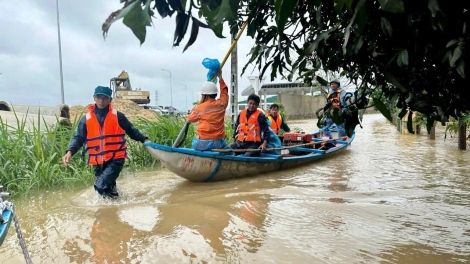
(382, 108)
(447, 56)
(321, 81)
(402, 59)
(395, 82)
(349, 4)
(386, 26)
(117, 15)
(163, 8)
(358, 45)
(210, 16)
(194, 33)
(458, 51)
(433, 6)
(284, 9)
(224, 13)
(409, 123)
(136, 20)
(402, 113)
(392, 6)
(359, 6)
(254, 54)
(147, 14)
(466, 118)
(176, 5)
(339, 4)
(452, 43)
(182, 22)
(274, 67)
(461, 68)
(265, 67)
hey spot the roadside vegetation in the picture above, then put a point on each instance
(31, 153)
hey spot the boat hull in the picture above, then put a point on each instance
(7, 217)
(204, 166)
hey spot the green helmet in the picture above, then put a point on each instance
(335, 81)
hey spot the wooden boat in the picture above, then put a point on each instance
(6, 216)
(204, 166)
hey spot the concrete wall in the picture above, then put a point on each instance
(31, 121)
(59, 110)
(299, 106)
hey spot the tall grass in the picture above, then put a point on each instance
(31, 153)
(31, 156)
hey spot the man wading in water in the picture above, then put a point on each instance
(103, 129)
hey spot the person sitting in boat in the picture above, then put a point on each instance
(210, 113)
(103, 129)
(251, 128)
(276, 120)
(337, 102)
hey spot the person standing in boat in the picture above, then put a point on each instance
(251, 128)
(103, 130)
(210, 115)
(336, 96)
(276, 120)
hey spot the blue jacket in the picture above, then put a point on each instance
(80, 136)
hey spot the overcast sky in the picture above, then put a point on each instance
(30, 57)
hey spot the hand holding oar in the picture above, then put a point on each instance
(181, 136)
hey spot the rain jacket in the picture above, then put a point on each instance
(211, 116)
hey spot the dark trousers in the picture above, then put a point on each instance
(106, 175)
(247, 145)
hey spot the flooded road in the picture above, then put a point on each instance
(388, 198)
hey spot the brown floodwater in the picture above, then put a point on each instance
(388, 198)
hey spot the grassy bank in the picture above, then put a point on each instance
(31, 153)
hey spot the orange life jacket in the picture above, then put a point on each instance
(249, 130)
(336, 101)
(275, 125)
(107, 142)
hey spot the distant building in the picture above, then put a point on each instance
(269, 102)
(275, 89)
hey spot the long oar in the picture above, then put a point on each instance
(182, 135)
(281, 148)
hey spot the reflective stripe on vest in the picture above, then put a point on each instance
(107, 142)
(249, 130)
(335, 101)
(275, 125)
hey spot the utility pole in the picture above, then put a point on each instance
(171, 88)
(234, 82)
(156, 97)
(60, 55)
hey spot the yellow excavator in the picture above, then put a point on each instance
(122, 88)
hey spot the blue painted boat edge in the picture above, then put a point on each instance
(7, 215)
(218, 155)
